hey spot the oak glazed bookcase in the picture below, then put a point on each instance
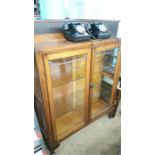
(75, 83)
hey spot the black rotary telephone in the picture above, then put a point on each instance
(75, 31)
(98, 30)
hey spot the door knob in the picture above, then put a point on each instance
(91, 85)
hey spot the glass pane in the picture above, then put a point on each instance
(105, 61)
(68, 83)
(68, 69)
(102, 79)
(110, 60)
(106, 87)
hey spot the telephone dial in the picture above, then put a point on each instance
(98, 30)
(75, 31)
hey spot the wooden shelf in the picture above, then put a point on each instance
(109, 71)
(110, 75)
(99, 107)
(69, 121)
(66, 79)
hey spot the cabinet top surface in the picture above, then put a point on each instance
(50, 42)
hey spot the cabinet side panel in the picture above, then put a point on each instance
(39, 102)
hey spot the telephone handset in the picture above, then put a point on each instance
(75, 31)
(98, 30)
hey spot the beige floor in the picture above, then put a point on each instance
(103, 137)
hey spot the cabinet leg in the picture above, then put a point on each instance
(52, 152)
(54, 146)
(111, 115)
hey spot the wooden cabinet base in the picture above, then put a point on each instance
(74, 84)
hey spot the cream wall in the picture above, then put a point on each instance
(79, 9)
(103, 9)
(107, 9)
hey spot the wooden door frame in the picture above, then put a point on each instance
(101, 48)
(64, 54)
(116, 77)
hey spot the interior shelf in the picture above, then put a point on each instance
(57, 83)
(69, 120)
(110, 75)
(108, 71)
(99, 107)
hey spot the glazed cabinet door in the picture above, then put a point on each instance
(67, 76)
(104, 77)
